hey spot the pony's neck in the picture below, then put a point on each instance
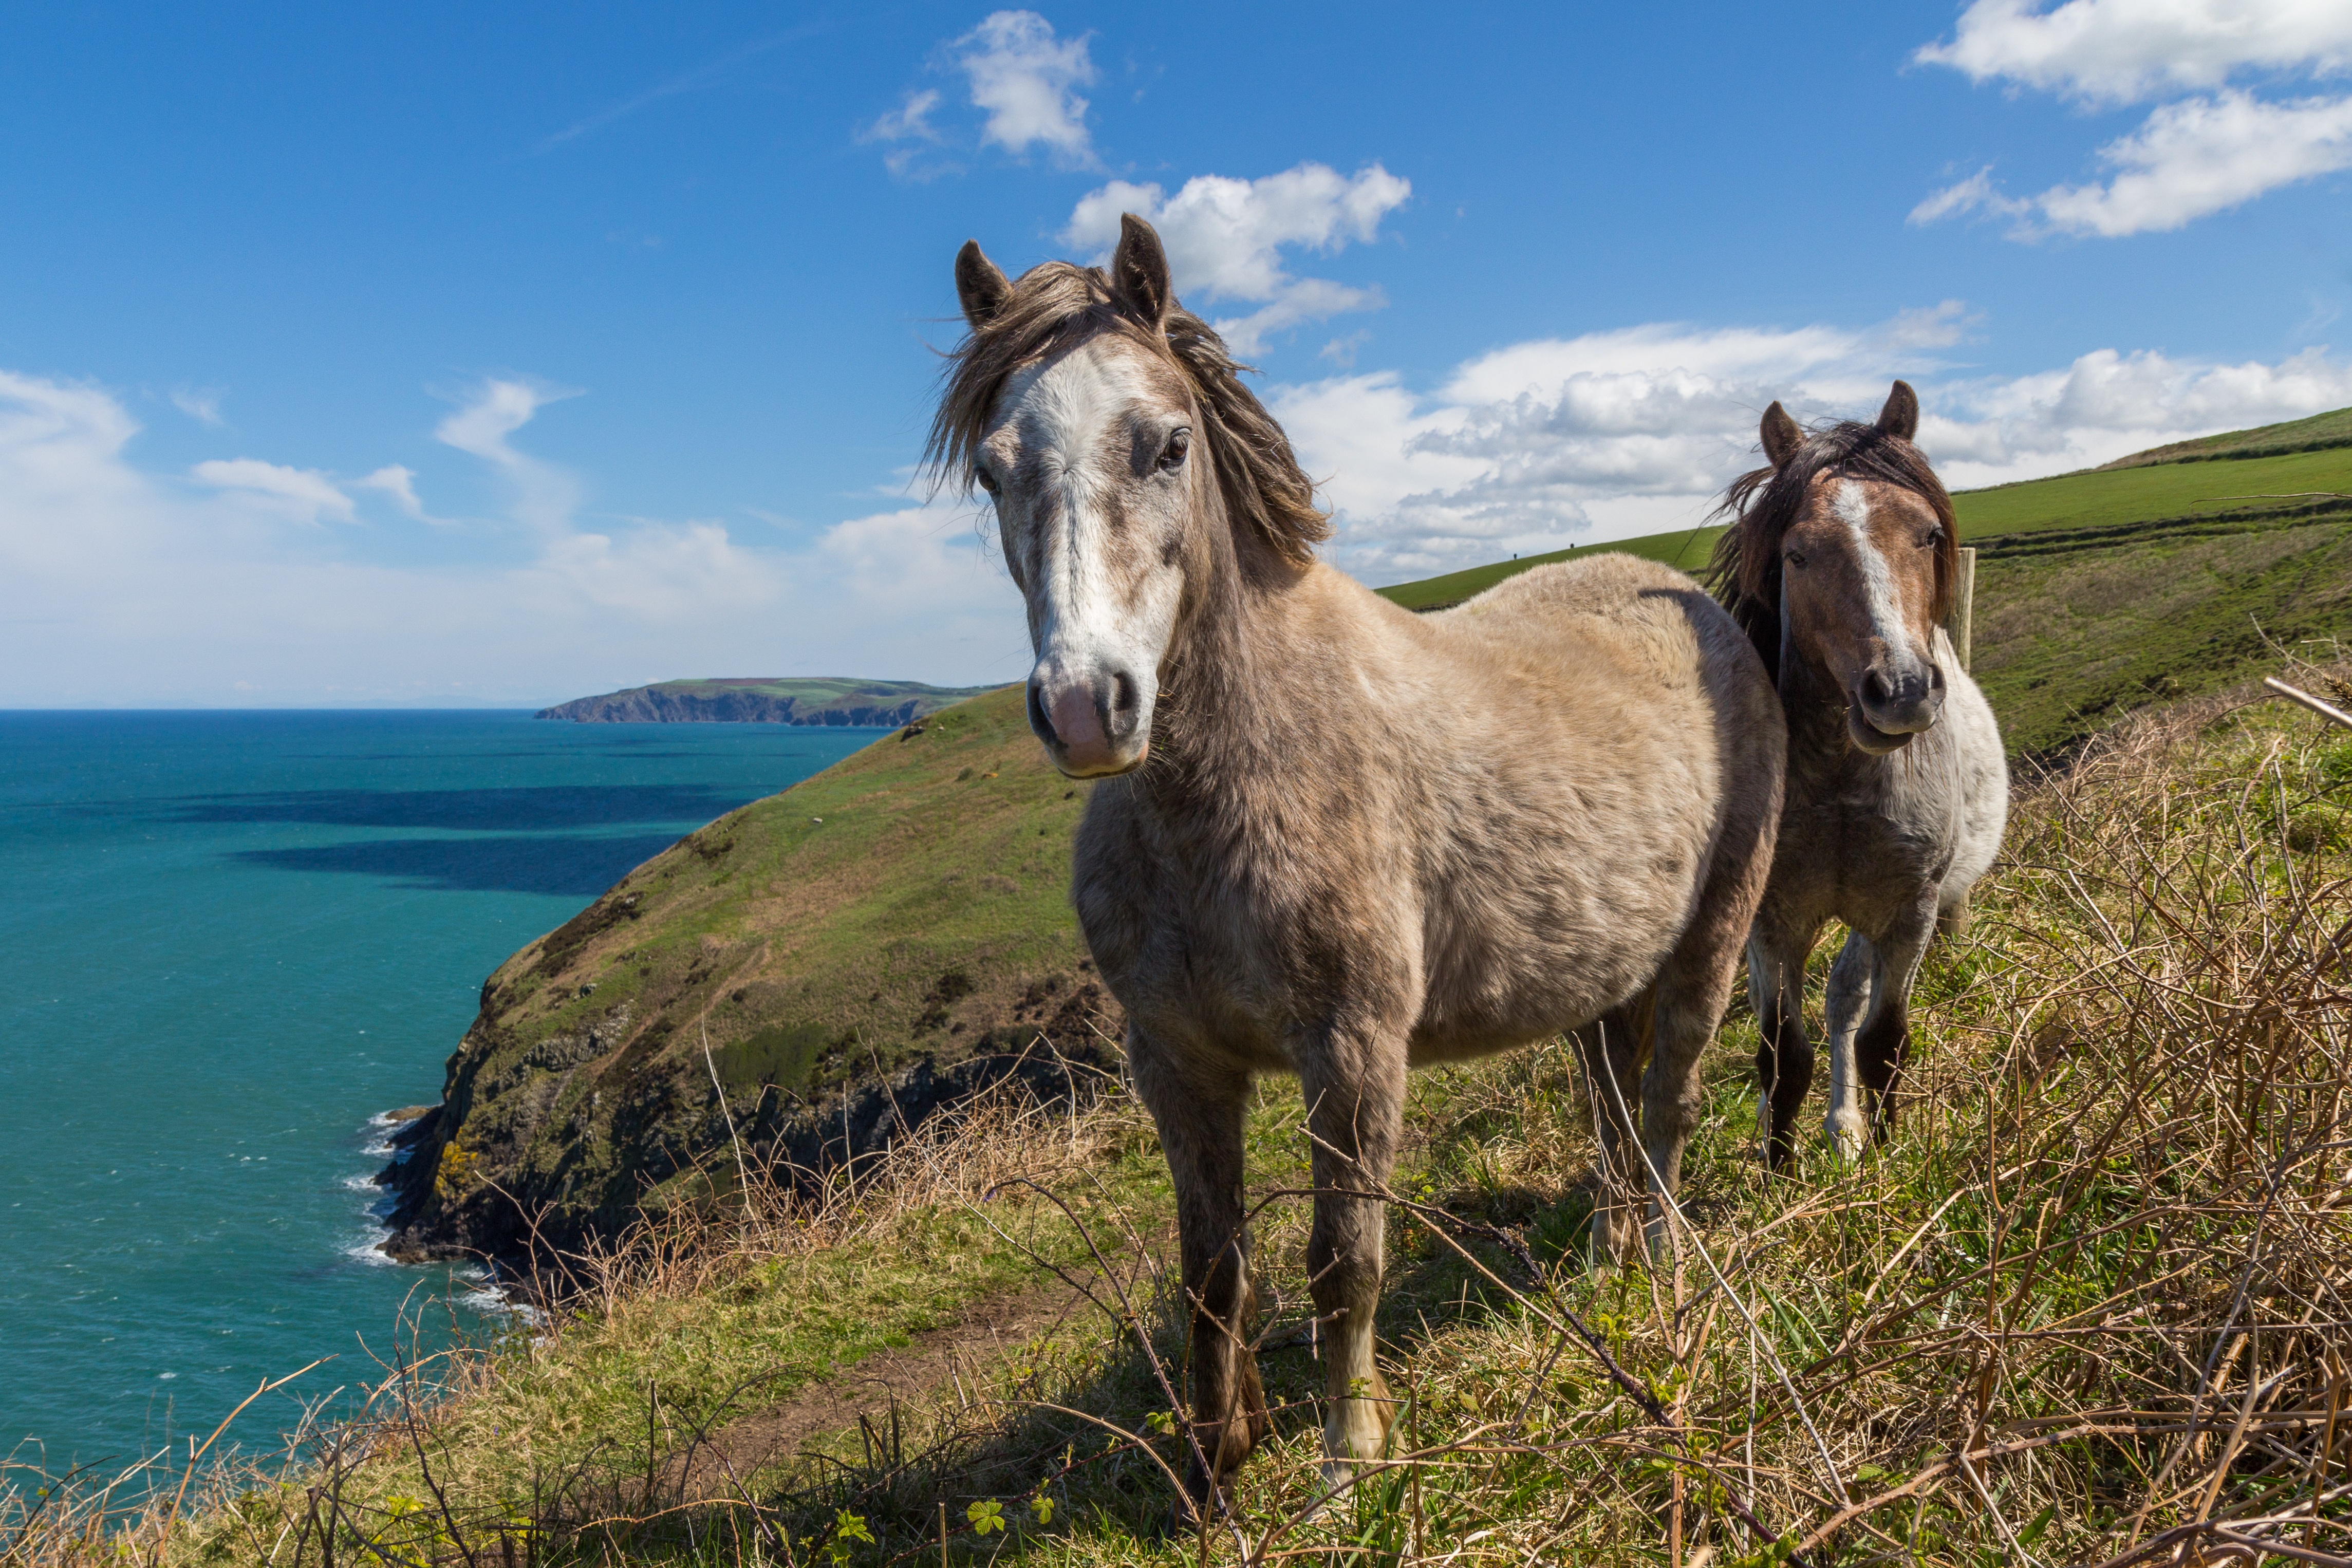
(1217, 717)
(1813, 702)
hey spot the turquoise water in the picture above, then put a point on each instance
(230, 940)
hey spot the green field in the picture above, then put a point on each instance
(2331, 429)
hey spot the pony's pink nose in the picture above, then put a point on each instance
(1077, 724)
(1093, 724)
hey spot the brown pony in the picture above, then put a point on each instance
(1838, 563)
(1335, 839)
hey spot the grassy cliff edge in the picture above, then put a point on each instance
(841, 956)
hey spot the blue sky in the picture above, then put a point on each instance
(462, 354)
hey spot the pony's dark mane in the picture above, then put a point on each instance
(1056, 305)
(1745, 572)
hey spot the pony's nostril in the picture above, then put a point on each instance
(1875, 689)
(1039, 724)
(1934, 677)
(1123, 696)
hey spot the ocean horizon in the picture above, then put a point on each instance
(242, 938)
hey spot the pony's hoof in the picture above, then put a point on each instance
(1849, 1141)
(1339, 1478)
(1196, 1506)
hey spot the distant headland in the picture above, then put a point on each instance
(760, 700)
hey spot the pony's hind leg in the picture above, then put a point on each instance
(1784, 1052)
(1355, 1113)
(1692, 990)
(1850, 992)
(1200, 1110)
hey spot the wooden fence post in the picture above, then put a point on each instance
(1964, 602)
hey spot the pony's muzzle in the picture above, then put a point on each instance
(1896, 701)
(1095, 724)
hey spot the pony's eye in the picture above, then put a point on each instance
(1934, 538)
(1794, 557)
(986, 480)
(1171, 456)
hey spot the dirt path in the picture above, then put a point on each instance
(911, 1374)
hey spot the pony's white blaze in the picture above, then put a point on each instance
(1102, 607)
(1851, 502)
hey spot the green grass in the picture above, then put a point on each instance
(2066, 642)
(2141, 496)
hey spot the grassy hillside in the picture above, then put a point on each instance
(1686, 549)
(909, 903)
(2237, 492)
(2332, 429)
(2087, 1299)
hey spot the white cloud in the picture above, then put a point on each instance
(2196, 157)
(122, 586)
(1543, 444)
(1226, 238)
(544, 494)
(911, 119)
(2123, 51)
(2190, 158)
(910, 124)
(399, 482)
(2108, 404)
(1026, 80)
(201, 403)
(304, 495)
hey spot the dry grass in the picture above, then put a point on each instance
(2087, 1305)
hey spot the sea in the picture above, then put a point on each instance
(229, 943)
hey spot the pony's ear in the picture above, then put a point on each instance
(1781, 436)
(980, 287)
(1138, 273)
(1900, 418)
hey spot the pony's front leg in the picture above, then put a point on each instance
(1850, 992)
(1355, 1098)
(1885, 1038)
(1784, 1054)
(1200, 1109)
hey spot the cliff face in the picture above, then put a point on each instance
(842, 958)
(869, 703)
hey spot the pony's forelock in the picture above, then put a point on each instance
(1744, 573)
(1055, 306)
